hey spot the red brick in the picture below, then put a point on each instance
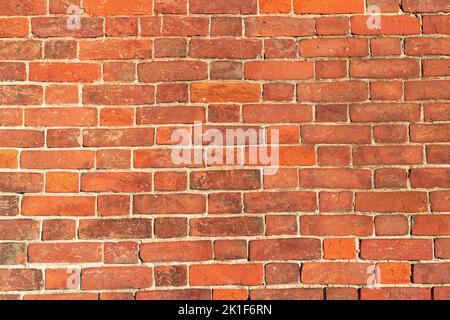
(121, 252)
(331, 69)
(396, 249)
(278, 6)
(172, 92)
(390, 133)
(441, 293)
(430, 132)
(21, 279)
(335, 273)
(64, 252)
(169, 204)
(225, 92)
(440, 201)
(283, 249)
(276, 70)
(391, 225)
(331, 113)
(185, 26)
(171, 6)
(387, 155)
(64, 72)
(183, 294)
(390, 178)
(134, 228)
(176, 251)
(430, 178)
(113, 159)
(60, 182)
(113, 205)
(431, 273)
(337, 293)
(339, 248)
(116, 278)
(435, 224)
(336, 225)
(171, 227)
(437, 111)
(288, 201)
(433, 24)
(173, 276)
(442, 248)
(59, 229)
(116, 182)
(118, 94)
(117, 7)
(12, 253)
(226, 26)
(277, 113)
(175, 114)
(61, 117)
(390, 25)
(119, 71)
(333, 156)
(355, 47)
(158, 71)
(348, 91)
(287, 294)
(280, 48)
(230, 249)
(17, 230)
(12, 71)
(330, 6)
(336, 201)
(332, 25)
(335, 178)
(21, 182)
(222, 274)
(45, 27)
(121, 26)
(391, 202)
(226, 227)
(229, 294)
(58, 206)
(386, 90)
(398, 293)
(63, 138)
(393, 68)
(20, 50)
(427, 46)
(61, 94)
(131, 137)
(57, 159)
(225, 49)
(385, 46)
(269, 26)
(9, 205)
(282, 273)
(23, 8)
(435, 68)
(21, 95)
(425, 6)
(394, 272)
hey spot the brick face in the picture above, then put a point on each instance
(89, 119)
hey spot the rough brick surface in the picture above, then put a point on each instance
(92, 205)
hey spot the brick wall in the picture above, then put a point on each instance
(92, 205)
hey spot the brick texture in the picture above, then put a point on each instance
(93, 207)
